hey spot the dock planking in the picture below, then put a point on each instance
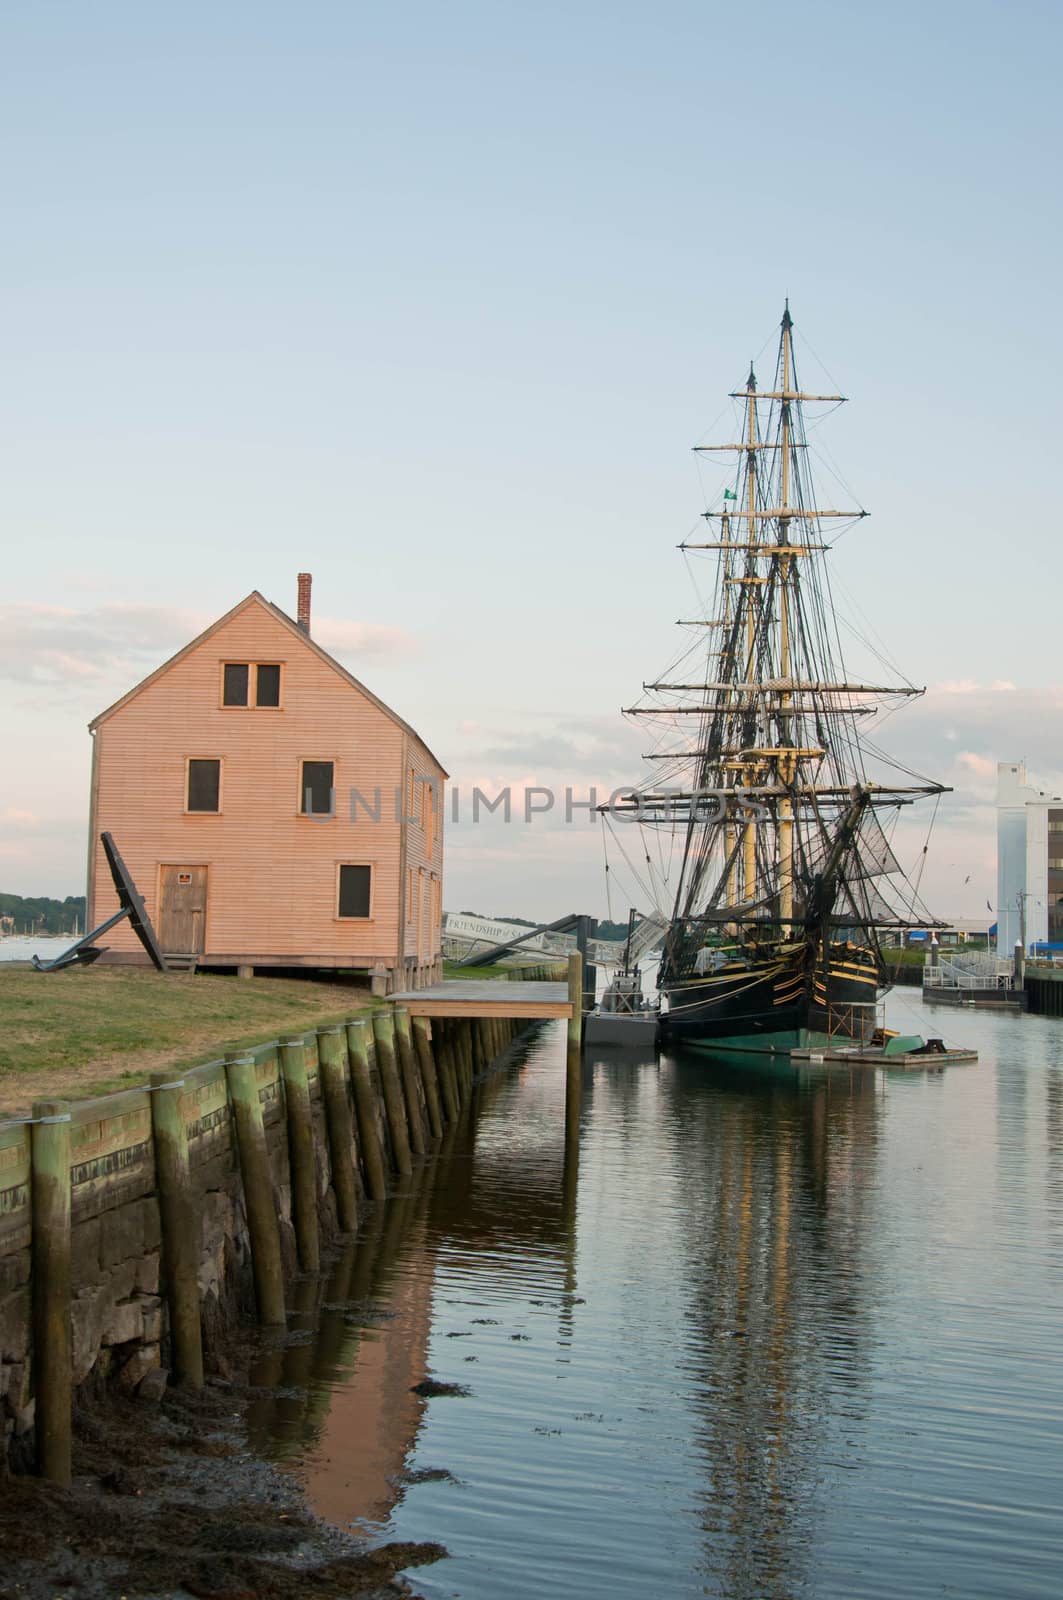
(457, 997)
(862, 1056)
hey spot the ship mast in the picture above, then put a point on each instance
(776, 712)
(787, 764)
(748, 770)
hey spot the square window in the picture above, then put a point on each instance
(234, 684)
(267, 685)
(204, 784)
(355, 886)
(316, 789)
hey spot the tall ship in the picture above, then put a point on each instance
(773, 806)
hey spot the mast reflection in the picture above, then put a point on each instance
(781, 1160)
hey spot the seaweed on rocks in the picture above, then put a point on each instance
(168, 1502)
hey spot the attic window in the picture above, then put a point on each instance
(267, 685)
(239, 678)
(234, 683)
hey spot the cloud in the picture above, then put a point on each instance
(981, 766)
(553, 752)
(15, 820)
(363, 641)
(957, 737)
(40, 854)
(43, 644)
(570, 748)
(971, 686)
(49, 647)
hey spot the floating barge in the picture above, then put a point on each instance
(901, 1050)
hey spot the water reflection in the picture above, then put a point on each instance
(336, 1394)
(726, 1327)
(774, 1164)
(343, 1402)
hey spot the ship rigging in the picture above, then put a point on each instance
(784, 876)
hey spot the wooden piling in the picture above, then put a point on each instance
(359, 1039)
(457, 1056)
(422, 1040)
(442, 1037)
(50, 1187)
(180, 1221)
(384, 1035)
(410, 1084)
(574, 1059)
(575, 998)
(332, 1076)
(457, 1060)
(573, 1094)
(262, 1225)
(302, 1159)
(463, 1044)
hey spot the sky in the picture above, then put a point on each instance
(434, 301)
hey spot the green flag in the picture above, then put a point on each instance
(729, 494)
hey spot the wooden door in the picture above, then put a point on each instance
(183, 910)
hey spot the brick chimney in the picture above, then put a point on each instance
(302, 615)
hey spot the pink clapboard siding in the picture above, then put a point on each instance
(272, 873)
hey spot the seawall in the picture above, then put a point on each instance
(136, 1229)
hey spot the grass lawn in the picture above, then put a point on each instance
(904, 956)
(453, 969)
(77, 1033)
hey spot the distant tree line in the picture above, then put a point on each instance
(41, 914)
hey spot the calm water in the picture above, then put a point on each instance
(22, 948)
(764, 1333)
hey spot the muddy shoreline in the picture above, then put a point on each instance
(168, 1502)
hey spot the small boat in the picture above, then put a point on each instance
(624, 1015)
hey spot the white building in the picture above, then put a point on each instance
(1029, 861)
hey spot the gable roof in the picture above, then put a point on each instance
(255, 598)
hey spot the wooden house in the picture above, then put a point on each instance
(272, 811)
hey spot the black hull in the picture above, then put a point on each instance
(775, 1005)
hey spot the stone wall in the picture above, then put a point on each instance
(124, 1182)
(119, 1317)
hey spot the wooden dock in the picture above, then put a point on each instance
(866, 1056)
(487, 997)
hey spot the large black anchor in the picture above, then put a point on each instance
(132, 906)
